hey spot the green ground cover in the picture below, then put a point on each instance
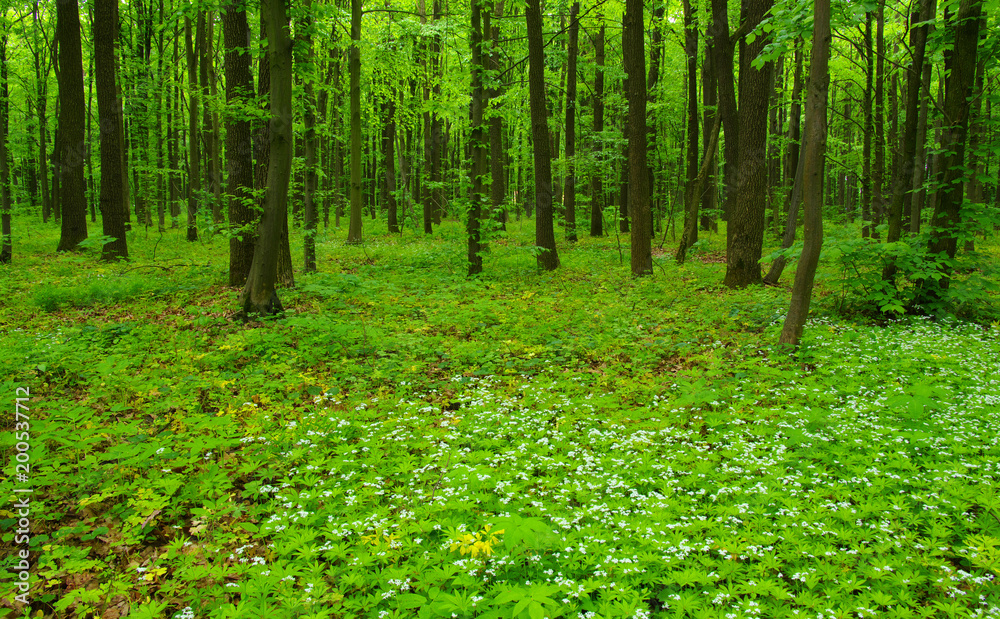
(407, 442)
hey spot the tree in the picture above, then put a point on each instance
(690, 235)
(569, 190)
(6, 251)
(114, 212)
(194, 151)
(310, 216)
(259, 295)
(239, 147)
(545, 238)
(814, 155)
(960, 65)
(634, 61)
(745, 232)
(71, 125)
(596, 184)
(354, 69)
(478, 142)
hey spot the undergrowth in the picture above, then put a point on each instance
(408, 442)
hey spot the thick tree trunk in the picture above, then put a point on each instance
(354, 69)
(239, 147)
(569, 187)
(545, 238)
(71, 125)
(722, 63)
(745, 232)
(114, 212)
(634, 61)
(814, 152)
(596, 181)
(259, 294)
(960, 66)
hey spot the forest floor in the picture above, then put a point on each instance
(409, 442)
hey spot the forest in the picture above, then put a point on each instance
(471, 308)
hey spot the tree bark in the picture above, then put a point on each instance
(867, 199)
(478, 143)
(71, 125)
(194, 150)
(690, 236)
(722, 63)
(693, 195)
(354, 69)
(498, 189)
(904, 173)
(307, 76)
(239, 147)
(114, 211)
(878, 174)
(596, 181)
(710, 98)
(916, 197)
(545, 239)
(960, 66)
(259, 295)
(6, 249)
(634, 61)
(745, 232)
(814, 153)
(569, 187)
(389, 155)
(209, 125)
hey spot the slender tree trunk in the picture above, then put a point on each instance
(596, 181)
(114, 211)
(259, 294)
(310, 215)
(498, 188)
(634, 61)
(904, 174)
(545, 238)
(389, 154)
(354, 69)
(71, 125)
(916, 197)
(693, 195)
(438, 142)
(814, 153)
(6, 249)
(653, 77)
(569, 186)
(722, 63)
(209, 125)
(709, 96)
(194, 150)
(477, 196)
(239, 146)
(878, 174)
(690, 236)
(745, 232)
(867, 200)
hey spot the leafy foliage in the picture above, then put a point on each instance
(407, 442)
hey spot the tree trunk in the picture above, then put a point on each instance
(722, 63)
(545, 238)
(814, 153)
(596, 181)
(693, 195)
(477, 196)
(6, 250)
(259, 294)
(904, 173)
(709, 96)
(239, 147)
(114, 212)
(960, 66)
(354, 69)
(209, 125)
(194, 150)
(878, 174)
(71, 125)
(690, 236)
(310, 215)
(498, 189)
(745, 232)
(569, 186)
(916, 197)
(634, 62)
(866, 174)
